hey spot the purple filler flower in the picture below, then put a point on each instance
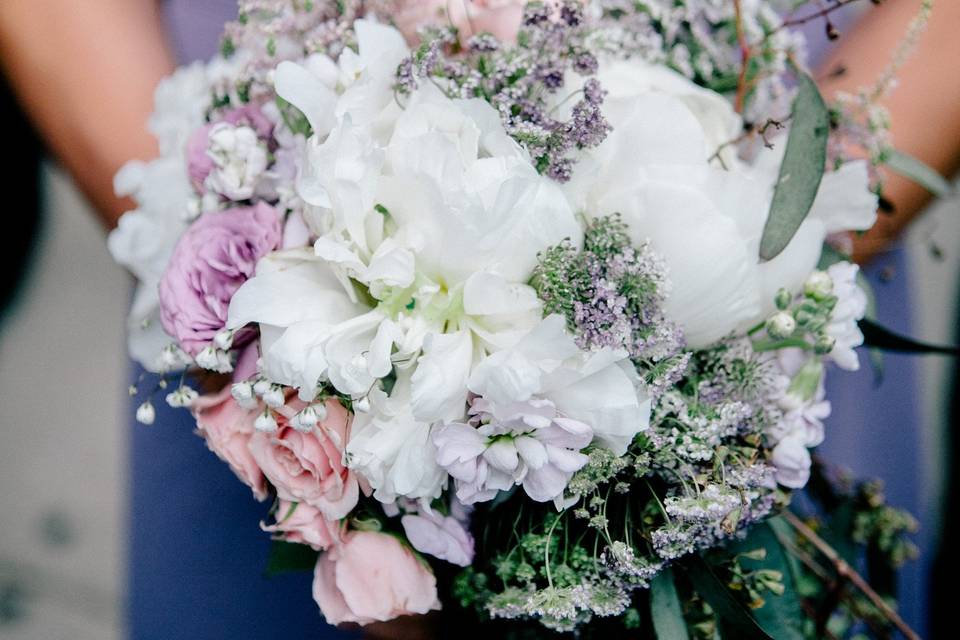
(216, 255)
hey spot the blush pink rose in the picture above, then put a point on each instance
(216, 255)
(227, 428)
(304, 525)
(199, 162)
(308, 467)
(498, 17)
(372, 577)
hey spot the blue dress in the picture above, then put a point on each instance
(197, 555)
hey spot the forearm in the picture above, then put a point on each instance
(924, 106)
(85, 72)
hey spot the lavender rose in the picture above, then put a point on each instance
(213, 258)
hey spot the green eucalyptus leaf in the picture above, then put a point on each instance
(781, 615)
(665, 609)
(734, 615)
(927, 177)
(801, 170)
(287, 557)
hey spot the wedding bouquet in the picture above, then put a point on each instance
(522, 309)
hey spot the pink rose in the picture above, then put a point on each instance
(199, 162)
(227, 428)
(308, 467)
(498, 17)
(372, 577)
(304, 525)
(216, 255)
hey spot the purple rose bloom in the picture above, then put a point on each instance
(216, 255)
(199, 162)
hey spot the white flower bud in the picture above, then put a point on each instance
(213, 359)
(304, 421)
(818, 285)
(223, 340)
(242, 392)
(146, 414)
(261, 386)
(361, 405)
(210, 202)
(171, 357)
(274, 397)
(182, 396)
(265, 422)
(781, 325)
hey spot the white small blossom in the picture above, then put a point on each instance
(181, 397)
(306, 420)
(243, 393)
(851, 307)
(274, 397)
(223, 340)
(146, 414)
(213, 359)
(265, 422)
(240, 158)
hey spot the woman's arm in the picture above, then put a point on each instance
(85, 72)
(925, 105)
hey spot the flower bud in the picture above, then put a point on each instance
(361, 405)
(183, 396)
(213, 359)
(783, 299)
(223, 340)
(265, 422)
(304, 421)
(261, 386)
(242, 392)
(824, 344)
(818, 285)
(781, 325)
(274, 397)
(146, 414)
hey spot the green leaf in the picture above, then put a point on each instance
(927, 177)
(801, 170)
(732, 612)
(286, 557)
(880, 337)
(781, 615)
(665, 609)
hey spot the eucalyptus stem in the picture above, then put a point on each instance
(844, 570)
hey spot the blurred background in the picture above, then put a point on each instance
(65, 420)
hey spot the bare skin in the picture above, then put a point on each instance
(925, 106)
(85, 72)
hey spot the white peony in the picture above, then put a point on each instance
(440, 222)
(393, 450)
(703, 219)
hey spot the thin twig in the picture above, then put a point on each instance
(844, 570)
(822, 13)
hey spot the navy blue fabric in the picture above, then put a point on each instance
(197, 554)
